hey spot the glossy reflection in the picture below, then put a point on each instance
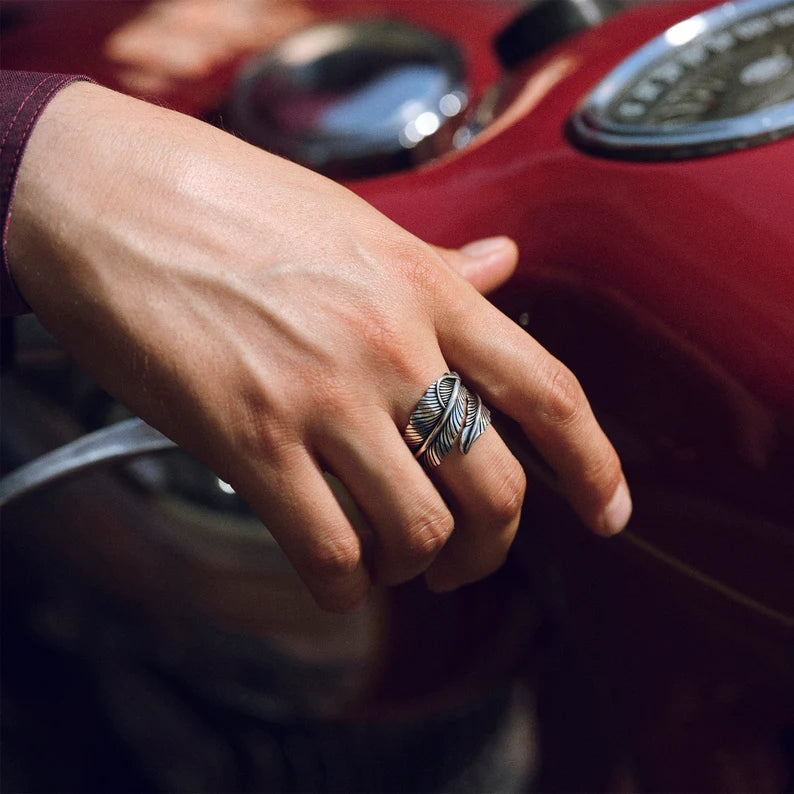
(352, 98)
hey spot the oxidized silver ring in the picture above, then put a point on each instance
(448, 411)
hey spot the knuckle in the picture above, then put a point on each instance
(426, 535)
(426, 275)
(604, 473)
(394, 337)
(504, 503)
(341, 407)
(336, 398)
(563, 396)
(261, 428)
(332, 559)
(378, 334)
(265, 447)
(417, 264)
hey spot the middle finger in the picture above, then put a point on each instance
(485, 489)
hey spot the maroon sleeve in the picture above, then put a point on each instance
(23, 96)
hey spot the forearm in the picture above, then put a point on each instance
(124, 209)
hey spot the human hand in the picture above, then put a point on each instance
(275, 325)
(170, 43)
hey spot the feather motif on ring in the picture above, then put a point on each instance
(429, 412)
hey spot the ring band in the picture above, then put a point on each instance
(448, 411)
(478, 417)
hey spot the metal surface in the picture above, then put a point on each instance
(447, 412)
(727, 76)
(354, 97)
(113, 444)
(478, 417)
(437, 420)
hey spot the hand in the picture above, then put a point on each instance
(170, 43)
(275, 325)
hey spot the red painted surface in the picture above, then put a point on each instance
(704, 247)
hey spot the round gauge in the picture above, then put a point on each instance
(716, 82)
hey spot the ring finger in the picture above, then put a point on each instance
(486, 490)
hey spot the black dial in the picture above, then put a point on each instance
(715, 82)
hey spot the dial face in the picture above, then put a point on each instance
(715, 82)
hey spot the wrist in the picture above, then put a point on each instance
(27, 97)
(37, 207)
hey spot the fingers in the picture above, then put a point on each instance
(412, 524)
(410, 520)
(515, 374)
(300, 511)
(411, 513)
(486, 490)
(485, 264)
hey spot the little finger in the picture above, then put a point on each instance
(409, 520)
(486, 489)
(296, 504)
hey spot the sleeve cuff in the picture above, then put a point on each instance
(23, 97)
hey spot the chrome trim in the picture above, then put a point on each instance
(384, 96)
(593, 129)
(112, 444)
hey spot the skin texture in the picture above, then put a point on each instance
(276, 326)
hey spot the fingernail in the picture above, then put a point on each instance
(618, 511)
(479, 249)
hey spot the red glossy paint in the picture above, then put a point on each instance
(71, 35)
(704, 247)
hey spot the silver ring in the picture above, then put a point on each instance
(478, 417)
(448, 411)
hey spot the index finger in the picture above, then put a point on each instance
(516, 375)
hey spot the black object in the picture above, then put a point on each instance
(546, 23)
(6, 343)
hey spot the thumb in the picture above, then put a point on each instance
(485, 264)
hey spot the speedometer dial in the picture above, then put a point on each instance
(716, 82)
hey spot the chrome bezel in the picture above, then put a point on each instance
(592, 127)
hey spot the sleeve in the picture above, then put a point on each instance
(23, 97)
